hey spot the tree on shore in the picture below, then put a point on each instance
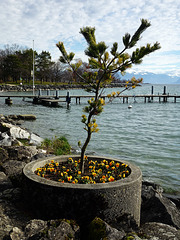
(102, 64)
(17, 63)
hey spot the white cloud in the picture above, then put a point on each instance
(49, 21)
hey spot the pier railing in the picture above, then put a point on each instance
(54, 100)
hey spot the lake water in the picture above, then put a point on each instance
(148, 134)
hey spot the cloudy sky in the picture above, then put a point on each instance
(49, 21)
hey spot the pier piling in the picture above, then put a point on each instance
(68, 99)
(54, 99)
(57, 94)
(40, 93)
(152, 92)
(8, 101)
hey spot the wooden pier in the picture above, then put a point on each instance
(54, 100)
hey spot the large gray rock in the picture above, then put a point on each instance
(17, 234)
(21, 153)
(14, 131)
(43, 230)
(10, 133)
(5, 182)
(23, 117)
(99, 229)
(160, 231)
(6, 140)
(13, 170)
(5, 224)
(63, 231)
(35, 139)
(3, 155)
(157, 208)
(34, 227)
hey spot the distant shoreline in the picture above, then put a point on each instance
(25, 88)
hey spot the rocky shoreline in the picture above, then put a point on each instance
(160, 213)
(19, 88)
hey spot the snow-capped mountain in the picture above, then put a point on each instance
(152, 78)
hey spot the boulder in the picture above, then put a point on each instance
(3, 155)
(174, 198)
(12, 135)
(157, 208)
(35, 139)
(159, 231)
(13, 170)
(34, 227)
(6, 140)
(14, 131)
(21, 153)
(23, 117)
(17, 234)
(64, 231)
(5, 182)
(12, 213)
(5, 223)
(43, 230)
(98, 229)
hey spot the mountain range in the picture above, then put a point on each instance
(152, 78)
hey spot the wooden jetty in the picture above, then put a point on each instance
(54, 100)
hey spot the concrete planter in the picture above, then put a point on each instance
(82, 202)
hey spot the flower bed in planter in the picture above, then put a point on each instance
(82, 202)
(100, 171)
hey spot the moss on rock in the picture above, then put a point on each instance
(97, 230)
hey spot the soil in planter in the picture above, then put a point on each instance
(95, 171)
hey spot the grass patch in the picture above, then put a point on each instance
(57, 146)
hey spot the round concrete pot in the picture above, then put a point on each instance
(112, 201)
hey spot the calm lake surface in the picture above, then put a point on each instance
(148, 134)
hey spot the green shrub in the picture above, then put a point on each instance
(57, 146)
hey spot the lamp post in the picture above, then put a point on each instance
(33, 67)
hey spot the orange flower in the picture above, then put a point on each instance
(110, 179)
(111, 163)
(69, 178)
(117, 165)
(94, 174)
